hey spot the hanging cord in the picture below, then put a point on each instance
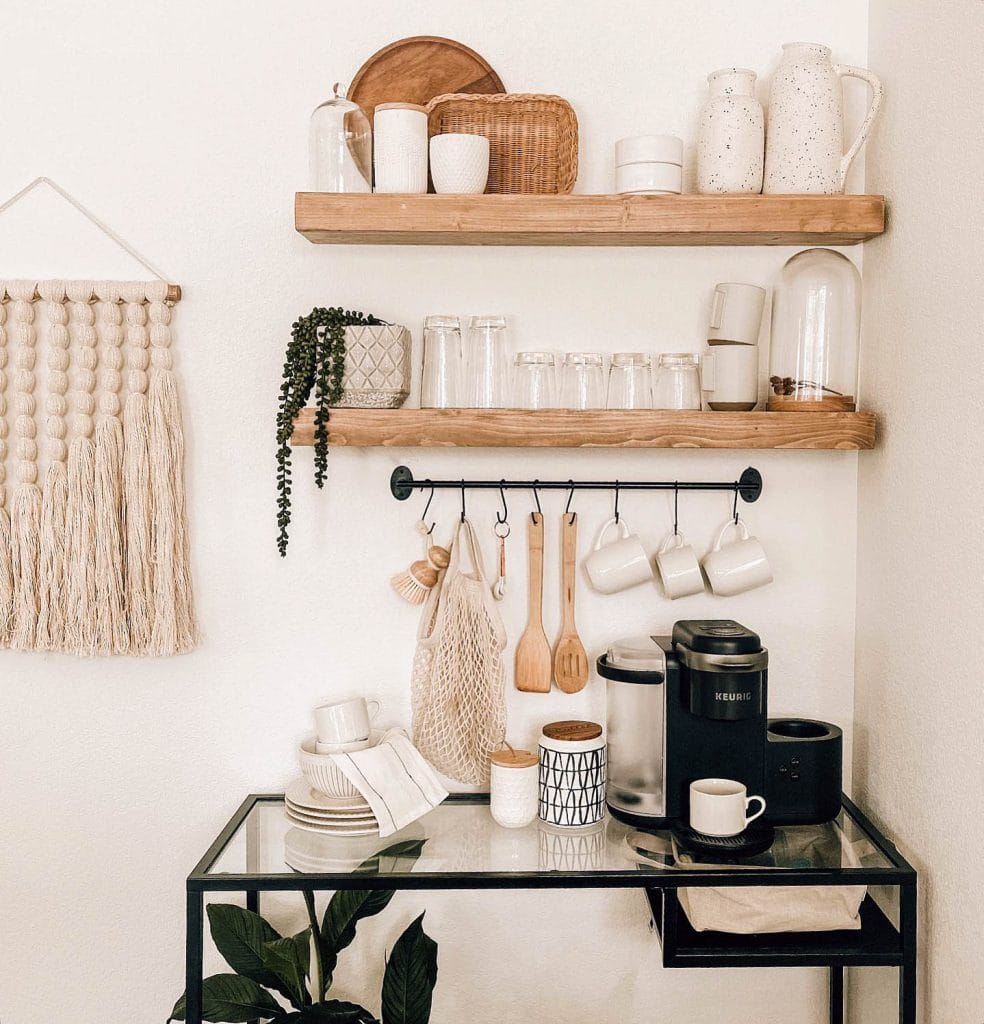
(567, 507)
(423, 518)
(89, 215)
(617, 517)
(676, 508)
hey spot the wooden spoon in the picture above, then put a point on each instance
(570, 658)
(533, 662)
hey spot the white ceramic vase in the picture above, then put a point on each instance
(805, 138)
(731, 134)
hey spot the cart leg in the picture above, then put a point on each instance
(907, 971)
(193, 958)
(836, 1008)
(253, 900)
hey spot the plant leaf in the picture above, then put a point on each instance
(345, 909)
(240, 935)
(411, 973)
(233, 1000)
(336, 1011)
(408, 849)
(289, 960)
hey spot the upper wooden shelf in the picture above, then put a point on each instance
(563, 428)
(348, 218)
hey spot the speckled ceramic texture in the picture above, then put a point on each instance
(805, 138)
(731, 134)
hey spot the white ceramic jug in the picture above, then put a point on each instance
(730, 134)
(804, 142)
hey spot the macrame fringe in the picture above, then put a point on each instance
(26, 548)
(54, 510)
(138, 521)
(6, 579)
(175, 629)
(80, 618)
(111, 633)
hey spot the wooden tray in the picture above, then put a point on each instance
(417, 69)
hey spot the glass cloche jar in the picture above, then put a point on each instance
(816, 334)
(340, 146)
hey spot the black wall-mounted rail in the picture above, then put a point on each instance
(748, 486)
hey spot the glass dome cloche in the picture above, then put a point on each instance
(816, 334)
(340, 146)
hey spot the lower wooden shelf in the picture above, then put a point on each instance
(564, 428)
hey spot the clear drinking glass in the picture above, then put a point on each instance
(535, 380)
(583, 381)
(630, 383)
(487, 364)
(677, 381)
(441, 374)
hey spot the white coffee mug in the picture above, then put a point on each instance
(736, 567)
(679, 568)
(729, 377)
(736, 313)
(619, 565)
(346, 721)
(459, 163)
(719, 807)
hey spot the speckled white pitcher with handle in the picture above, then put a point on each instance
(804, 141)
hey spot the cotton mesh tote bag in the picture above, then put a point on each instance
(458, 685)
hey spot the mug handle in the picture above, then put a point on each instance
(739, 526)
(620, 524)
(375, 710)
(717, 309)
(877, 93)
(707, 372)
(759, 812)
(670, 538)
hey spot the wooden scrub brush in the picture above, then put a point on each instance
(414, 584)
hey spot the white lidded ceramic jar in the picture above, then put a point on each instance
(731, 134)
(400, 148)
(514, 793)
(573, 773)
(805, 138)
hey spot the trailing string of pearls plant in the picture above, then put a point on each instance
(315, 361)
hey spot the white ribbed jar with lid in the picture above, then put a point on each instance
(513, 799)
(400, 159)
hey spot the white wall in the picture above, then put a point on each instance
(919, 733)
(186, 129)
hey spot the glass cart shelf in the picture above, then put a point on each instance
(260, 850)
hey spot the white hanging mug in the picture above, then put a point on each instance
(736, 314)
(679, 568)
(618, 565)
(346, 722)
(739, 566)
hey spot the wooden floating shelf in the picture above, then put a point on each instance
(562, 428)
(348, 218)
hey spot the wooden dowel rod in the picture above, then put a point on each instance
(173, 294)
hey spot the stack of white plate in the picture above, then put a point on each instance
(312, 811)
(649, 165)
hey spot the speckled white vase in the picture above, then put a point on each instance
(731, 134)
(804, 149)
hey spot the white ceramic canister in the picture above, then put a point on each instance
(573, 773)
(804, 149)
(514, 787)
(648, 149)
(731, 134)
(400, 148)
(648, 178)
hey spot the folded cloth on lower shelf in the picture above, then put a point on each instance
(399, 785)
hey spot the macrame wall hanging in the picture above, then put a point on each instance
(93, 526)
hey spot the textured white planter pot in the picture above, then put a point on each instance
(377, 367)
(731, 134)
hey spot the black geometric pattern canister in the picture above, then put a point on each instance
(573, 774)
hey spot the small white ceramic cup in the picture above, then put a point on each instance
(719, 807)
(729, 377)
(739, 566)
(346, 721)
(459, 163)
(736, 313)
(679, 567)
(621, 564)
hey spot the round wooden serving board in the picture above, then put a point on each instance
(417, 69)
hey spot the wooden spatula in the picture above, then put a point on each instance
(570, 658)
(533, 662)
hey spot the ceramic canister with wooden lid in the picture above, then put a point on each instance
(400, 148)
(513, 799)
(573, 773)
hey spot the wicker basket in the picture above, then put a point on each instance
(532, 139)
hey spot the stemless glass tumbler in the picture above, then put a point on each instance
(440, 383)
(630, 381)
(677, 381)
(535, 382)
(583, 381)
(487, 364)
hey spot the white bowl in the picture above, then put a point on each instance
(651, 177)
(637, 149)
(322, 773)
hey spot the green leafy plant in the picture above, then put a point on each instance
(266, 962)
(314, 361)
